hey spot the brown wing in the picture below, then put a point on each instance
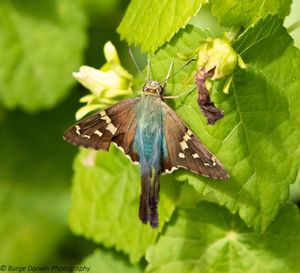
(115, 124)
(186, 150)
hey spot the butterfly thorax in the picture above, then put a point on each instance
(152, 88)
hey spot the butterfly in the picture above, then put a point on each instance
(152, 135)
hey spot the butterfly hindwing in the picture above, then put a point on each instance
(115, 124)
(186, 150)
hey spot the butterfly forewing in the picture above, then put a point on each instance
(115, 124)
(186, 150)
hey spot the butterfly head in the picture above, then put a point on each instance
(152, 87)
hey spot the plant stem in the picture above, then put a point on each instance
(293, 26)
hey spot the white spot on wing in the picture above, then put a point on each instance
(97, 132)
(110, 127)
(189, 132)
(181, 155)
(183, 145)
(195, 155)
(86, 136)
(213, 160)
(186, 137)
(106, 118)
(77, 127)
(102, 113)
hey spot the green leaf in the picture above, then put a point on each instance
(41, 44)
(257, 141)
(109, 262)
(246, 12)
(151, 23)
(105, 201)
(209, 239)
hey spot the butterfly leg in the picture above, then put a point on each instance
(178, 96)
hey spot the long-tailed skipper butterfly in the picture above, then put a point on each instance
(151, 134)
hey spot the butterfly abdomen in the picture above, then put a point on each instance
(148, 150)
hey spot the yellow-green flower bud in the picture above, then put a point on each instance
(219, 54)
(110, 53)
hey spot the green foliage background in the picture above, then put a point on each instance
(56, 209)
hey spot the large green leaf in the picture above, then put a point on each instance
(246, 12)
(41, 44)
(257, 141)
(105, 201)
(108, 262)
(151, 23)
(207, 238)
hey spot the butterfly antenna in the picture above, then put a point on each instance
(169, 72)
(137, 67)
(168, 75)
(180, 69)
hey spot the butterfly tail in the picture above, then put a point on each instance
(153, 201)
(149, 198)
(144, 198)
